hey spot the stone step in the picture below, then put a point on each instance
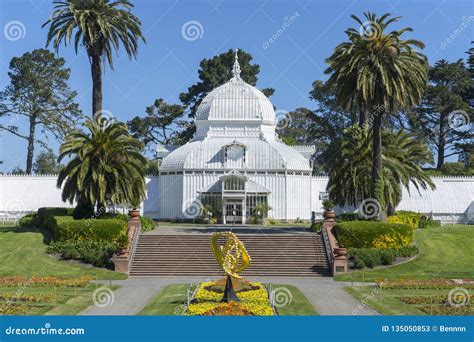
(295, 255)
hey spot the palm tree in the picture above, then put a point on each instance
(106, 166)
(403, 157)
(379, 72)
(101, 26)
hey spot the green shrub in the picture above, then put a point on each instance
(106, 230)
(387, 256)
(343, 217)
(407, 251)
(369, 234)
(89, 251)
(29, 220)
(369, 256)
(45, 214)
(372, 257)
(147, 223)
(299, 220)
(317, 226)
(358, 264)
(406, 217)
(429, 223)
(118, 216)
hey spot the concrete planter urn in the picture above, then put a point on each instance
(134, 213)
(329, 215)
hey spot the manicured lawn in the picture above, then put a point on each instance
(444, 252)
(23, 252)
(389, 302)
(169, 301)
(298, 306)
(49, 300)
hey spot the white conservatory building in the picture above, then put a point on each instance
(236, 161)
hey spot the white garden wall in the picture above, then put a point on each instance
(451, 201)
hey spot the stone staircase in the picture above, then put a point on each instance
(191, 255)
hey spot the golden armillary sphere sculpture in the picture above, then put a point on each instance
(232, 257)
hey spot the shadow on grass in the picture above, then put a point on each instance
(47, 235)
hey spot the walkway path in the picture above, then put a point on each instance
(185, 229)
(325, 294)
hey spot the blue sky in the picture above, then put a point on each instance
(167, 65)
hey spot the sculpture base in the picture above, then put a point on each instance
(229, 293)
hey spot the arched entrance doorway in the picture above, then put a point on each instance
(234, 198)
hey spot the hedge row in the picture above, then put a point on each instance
(109, 230)
(42, 218)
(146, 223)
(45, 214)
(373, 234)
(371, 257)
(97, 253)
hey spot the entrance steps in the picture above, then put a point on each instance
(299, 255)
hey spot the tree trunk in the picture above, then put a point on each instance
(390, 210)
(363, 118)
(101, 208)
(377, 190)
(96, 69)
(441, 142)
(31, 144)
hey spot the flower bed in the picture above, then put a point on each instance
(13, 309)
(21, 303)
(253, 296)
(449, 311)
(439, 304)
(417, 284)
(24, 298)
(433, 299)
(19, 281)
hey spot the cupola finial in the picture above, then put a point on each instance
(236, 67)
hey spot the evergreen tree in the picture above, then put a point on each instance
(38, 93)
